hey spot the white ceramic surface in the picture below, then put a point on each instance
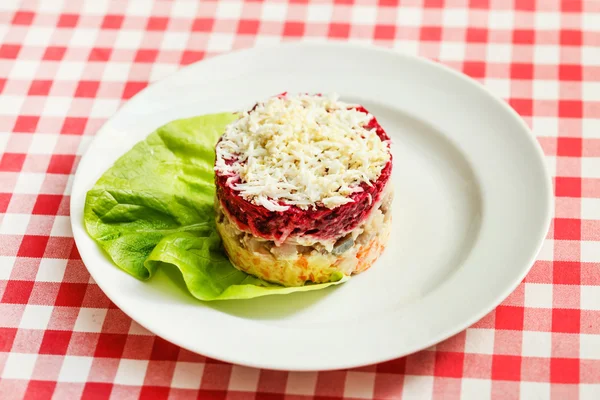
(472, 206)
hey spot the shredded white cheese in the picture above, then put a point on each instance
(301, 150)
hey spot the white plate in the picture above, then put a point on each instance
(472, 206)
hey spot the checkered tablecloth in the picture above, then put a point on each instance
(66, 66)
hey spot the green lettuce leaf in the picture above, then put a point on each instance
(154, 206)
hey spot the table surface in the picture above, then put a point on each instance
(66, 66)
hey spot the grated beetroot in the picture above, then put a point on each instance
(320, 223)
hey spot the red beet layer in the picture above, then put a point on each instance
(319, 223)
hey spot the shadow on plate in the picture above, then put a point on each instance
(273, 307)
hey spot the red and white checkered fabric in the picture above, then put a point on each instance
(66, 66)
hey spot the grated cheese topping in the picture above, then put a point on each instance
(301, 150)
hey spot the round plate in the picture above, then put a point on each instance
(471, 210)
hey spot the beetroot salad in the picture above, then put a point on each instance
(318, 222)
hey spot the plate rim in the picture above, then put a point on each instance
(332, 45)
